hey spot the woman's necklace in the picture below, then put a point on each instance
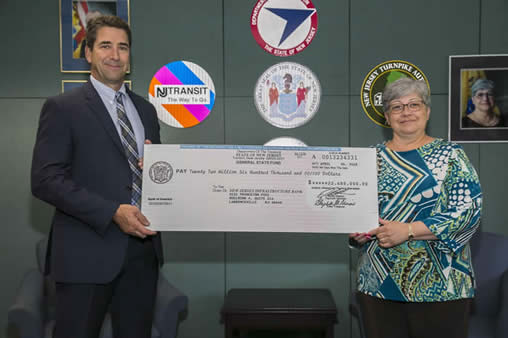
(399, 146)
(486, 120)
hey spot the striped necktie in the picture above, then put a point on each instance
(131, 149)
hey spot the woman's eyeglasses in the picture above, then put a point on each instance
(484, 95)
(398, 108)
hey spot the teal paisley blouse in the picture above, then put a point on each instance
(435, 184)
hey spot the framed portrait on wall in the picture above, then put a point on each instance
(73, 17)
(71, 84)
(478, 98)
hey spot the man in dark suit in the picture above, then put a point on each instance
(86, 163)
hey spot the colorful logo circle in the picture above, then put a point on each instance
(183, 94)
(375, 82)
(287, 95)
(284, 27)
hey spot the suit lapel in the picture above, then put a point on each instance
(137, 104)
(99, 110)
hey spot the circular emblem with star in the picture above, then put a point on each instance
(376, 81)
(284, 27)
(287, 95)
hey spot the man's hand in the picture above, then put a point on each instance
(130, 219)
(140, 162)
(390, 233)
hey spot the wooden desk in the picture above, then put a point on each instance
(257, 309)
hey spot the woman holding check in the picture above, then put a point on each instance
(415, 276)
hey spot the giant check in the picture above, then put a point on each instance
(261, 189)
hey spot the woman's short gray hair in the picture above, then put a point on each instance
(482, 84)
(405, 86)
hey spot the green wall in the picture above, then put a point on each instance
(353, 37)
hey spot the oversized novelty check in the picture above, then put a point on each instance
(260, 189)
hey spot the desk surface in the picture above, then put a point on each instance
(279, 300)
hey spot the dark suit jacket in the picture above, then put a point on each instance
(79, 166)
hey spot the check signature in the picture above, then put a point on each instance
(334, 198)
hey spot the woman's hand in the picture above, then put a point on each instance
(390, 233)
(359, 238)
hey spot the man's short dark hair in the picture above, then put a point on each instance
(105, 21)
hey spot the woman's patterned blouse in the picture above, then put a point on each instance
(435, 184)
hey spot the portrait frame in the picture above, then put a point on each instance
(72, 29)
(464, 71)
(71, 84)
